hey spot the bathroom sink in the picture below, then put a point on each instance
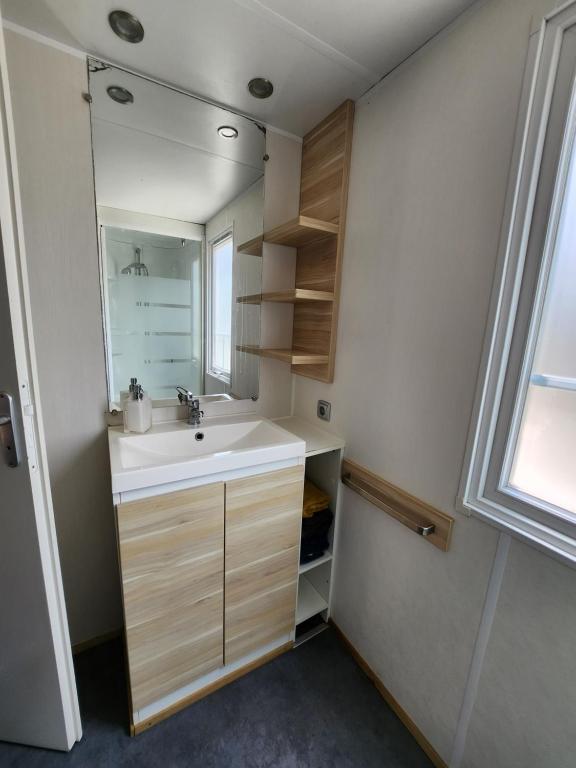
(175, 451)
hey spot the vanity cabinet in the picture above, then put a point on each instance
(209, 578)
(172, 562)
(263, 521)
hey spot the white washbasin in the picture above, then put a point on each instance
(174, 451)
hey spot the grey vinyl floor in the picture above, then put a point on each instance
(310, 708)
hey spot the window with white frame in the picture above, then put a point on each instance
(521, 468)
(220, 258)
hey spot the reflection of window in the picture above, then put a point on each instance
(522, 468)
(220, 306)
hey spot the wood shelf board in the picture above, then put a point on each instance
(252, 247)
(301, 231)
(317, 440)
(326, 558)
(288, 296)
(292, 356)
(310, 602)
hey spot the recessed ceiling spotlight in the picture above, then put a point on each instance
(119, 94)
(126, 26)
(227, 132)
(260, 88)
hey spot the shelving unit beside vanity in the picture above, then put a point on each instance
(324, 452)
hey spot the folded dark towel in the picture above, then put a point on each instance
(313, 547)
(319, 523)
(315, 535)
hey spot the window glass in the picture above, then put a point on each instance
(544, 463)
(221, 306)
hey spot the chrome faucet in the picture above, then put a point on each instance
(193, 405)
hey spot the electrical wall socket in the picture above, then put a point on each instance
(323, 410)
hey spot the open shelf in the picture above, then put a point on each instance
(252, 247)
(292, 356)
(310, 602)
(288, 296)
(326, 557)
(301, 231)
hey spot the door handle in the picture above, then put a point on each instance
(8, 441)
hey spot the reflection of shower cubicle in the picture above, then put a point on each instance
(153, 311)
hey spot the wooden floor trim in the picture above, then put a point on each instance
(85, 645)
(391, 701)
(137, 728)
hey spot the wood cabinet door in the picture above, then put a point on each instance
(263, 522)
(172, 563)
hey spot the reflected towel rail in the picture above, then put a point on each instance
(432, 524)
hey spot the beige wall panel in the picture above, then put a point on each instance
(54, 156)
(430, 158)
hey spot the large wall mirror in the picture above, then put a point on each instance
(179, 189)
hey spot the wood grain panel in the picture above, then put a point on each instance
(263, 522)
(181, 704)
(261, 621)
(252, 247)
(263, 515)
(401, 505)
(312, 328)
(260, 577)
(287, 296)
(300, 231)
(316, 266)
(260, 603)
(172, 564)
(175, 649)
(326, 153)
(294, 356)
(324, 160)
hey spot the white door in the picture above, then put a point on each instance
(38, 700)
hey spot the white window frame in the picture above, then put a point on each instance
(211, 369)
(485, 491)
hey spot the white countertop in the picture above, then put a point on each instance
(317, 440)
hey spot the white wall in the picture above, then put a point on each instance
(246, 215)
(281, 203)
(55, 168)
(430, 161)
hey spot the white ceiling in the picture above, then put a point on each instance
(316, 52)
(162, 155)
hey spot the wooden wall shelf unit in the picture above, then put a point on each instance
(288, 296)
(252, 247)
(292, 356)
(318, 235)
(302, 230)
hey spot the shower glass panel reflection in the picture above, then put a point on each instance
(153, 311)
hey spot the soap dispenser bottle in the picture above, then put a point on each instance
(137, 409)
(125, 396)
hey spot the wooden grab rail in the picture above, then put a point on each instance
(435, 526)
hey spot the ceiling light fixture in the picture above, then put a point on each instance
(119, 94)
(126, 26)
(227, 132)
(260, 88)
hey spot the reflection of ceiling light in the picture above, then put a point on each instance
(119, 94)
(227, 132)
(260, 88)
(126, 26)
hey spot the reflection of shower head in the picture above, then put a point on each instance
(137, 267)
